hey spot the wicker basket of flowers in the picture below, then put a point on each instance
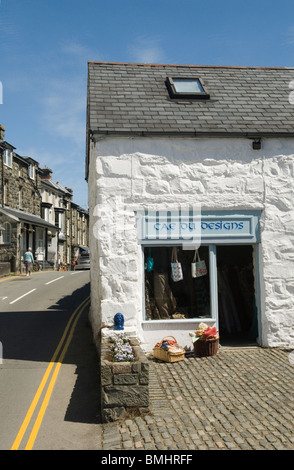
(205, 341)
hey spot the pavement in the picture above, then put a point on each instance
(240, 399)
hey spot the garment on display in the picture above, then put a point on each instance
(150, 262)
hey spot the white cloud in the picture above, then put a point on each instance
(78, 53)
(64, 109)
(147, 50)
(64, 98)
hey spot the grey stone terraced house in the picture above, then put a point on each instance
(36, 212)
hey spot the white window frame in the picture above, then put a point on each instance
(8, 158)
(31, 171)
(6, 234)
(213, 317)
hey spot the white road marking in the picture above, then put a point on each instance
(22, 296)
(54, 280)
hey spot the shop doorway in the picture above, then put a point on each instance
(237, 308)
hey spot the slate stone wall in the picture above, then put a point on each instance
(124, 385)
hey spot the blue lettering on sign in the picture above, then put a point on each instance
(222, 225)
(158, 226)
(172, 226)
(190, 226)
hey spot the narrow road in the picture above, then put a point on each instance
(49, 369)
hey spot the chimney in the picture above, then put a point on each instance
(46, 173)
(2, 132)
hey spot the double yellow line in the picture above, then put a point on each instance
(55, 364)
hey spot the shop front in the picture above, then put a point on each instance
(150, 161)
(218, 283)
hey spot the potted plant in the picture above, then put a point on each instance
(205, 340)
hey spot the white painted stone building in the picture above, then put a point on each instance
(165, 145)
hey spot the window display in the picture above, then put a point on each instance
(177, 285)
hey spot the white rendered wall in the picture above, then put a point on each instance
(220, 174)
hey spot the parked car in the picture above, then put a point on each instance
(83, 263)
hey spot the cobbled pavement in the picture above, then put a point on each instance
(240, 399)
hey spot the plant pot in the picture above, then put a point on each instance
(208, 347)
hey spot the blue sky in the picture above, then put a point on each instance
(45, 46)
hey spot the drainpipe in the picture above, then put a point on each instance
(2, 164)
(2, 147)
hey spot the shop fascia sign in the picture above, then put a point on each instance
(195, 227)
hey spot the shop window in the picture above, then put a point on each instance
(166, 299)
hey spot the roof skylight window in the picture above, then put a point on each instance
(186, 88)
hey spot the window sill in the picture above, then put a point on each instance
(179, 320)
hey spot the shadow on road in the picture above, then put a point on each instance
(84, 406)
(34, 336)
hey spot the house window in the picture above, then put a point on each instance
(31, 171)
(20, 197)
(191, 88)
(6, 233)
(5, 191)
(45, 213)
(57, 219)
(8, 158)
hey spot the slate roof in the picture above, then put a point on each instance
(27, 217)
(133, 99)
(56, 186)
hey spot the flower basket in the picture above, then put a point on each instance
(205, 340)
(168, 350)
(206, 347)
